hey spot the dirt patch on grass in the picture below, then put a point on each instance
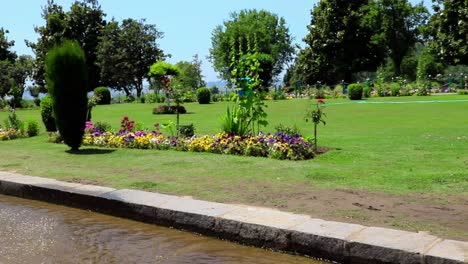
(442, 215)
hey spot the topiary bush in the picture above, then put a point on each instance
(33, 129)
(164, 109)
(355, 91)
(103, 95)
(47, 114)
(67, 81)
(203, 95)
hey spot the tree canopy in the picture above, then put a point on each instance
(448, 31)
(125, 53)
(252, 31)
(337, 45)
(190, 76)
(83, 23)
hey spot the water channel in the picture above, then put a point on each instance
(37, 232)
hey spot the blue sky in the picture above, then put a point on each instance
(187, 24)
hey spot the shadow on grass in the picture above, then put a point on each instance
(90, 151)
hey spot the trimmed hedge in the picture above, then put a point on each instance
(203, 95)
(355, 91)
(47, 114)
(67, 80)
(103, 95)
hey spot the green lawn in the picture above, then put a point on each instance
(410, 161)
(395, 148)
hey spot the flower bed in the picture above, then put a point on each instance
(278, 146)
(10, 134)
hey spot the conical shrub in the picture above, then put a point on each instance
(67, 80)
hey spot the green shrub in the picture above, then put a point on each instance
(355, 91)
(164, 109)
(203, 95)
(13, 122)
(155, 98)
(367, 91)
(103, 95)
(289, 130)
(47, 114)
(37, 102)
(462, 92)
(103, 126)
(33, 129)
(187, 130)
(66, 75)
(142, 98)
(395, 89)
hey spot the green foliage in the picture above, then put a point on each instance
(355, 91)
(395, 89)
(83, 22)
(190, 74)
(33, 129)
(103, 95)
(428, 67)
(5, 45)
(103, 126)
(155, 98)
(203, 95)
(47, 114)
(395, 26)
(66, 74)
(173, 109)
(125, 53)
(234, 122)
(13, 122)
(246, 75)
(448, 30)
(248, 30)
(187, 130)
(337, 44)
(289, 130)
(462, 92)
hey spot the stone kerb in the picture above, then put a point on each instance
(262, 227)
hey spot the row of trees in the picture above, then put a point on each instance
(118, 54)
(392, 36)
(346, 38)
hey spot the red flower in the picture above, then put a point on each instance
(320, 101)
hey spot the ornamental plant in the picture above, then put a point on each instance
(250, 111)
(316, 116)
(67, 81)
(47, 114)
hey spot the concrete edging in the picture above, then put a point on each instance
(262, 227)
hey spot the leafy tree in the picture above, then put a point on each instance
(5, 45)
(337, 44)
(190, 74)
(66, 74)
(248, 30)
(83, 23)
(395, 26)
(126, 52)
(448, 31)
(6, 81)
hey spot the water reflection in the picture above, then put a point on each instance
(36, 232)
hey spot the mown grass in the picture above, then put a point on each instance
(394, 148)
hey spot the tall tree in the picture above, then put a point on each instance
(190, 75)
(126, 52)
(396, 27)
(448, 31)
(249, 31)
(337, 44)
(5, 45)
(7, 59)
(82, 23)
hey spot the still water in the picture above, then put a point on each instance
(37, 232)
